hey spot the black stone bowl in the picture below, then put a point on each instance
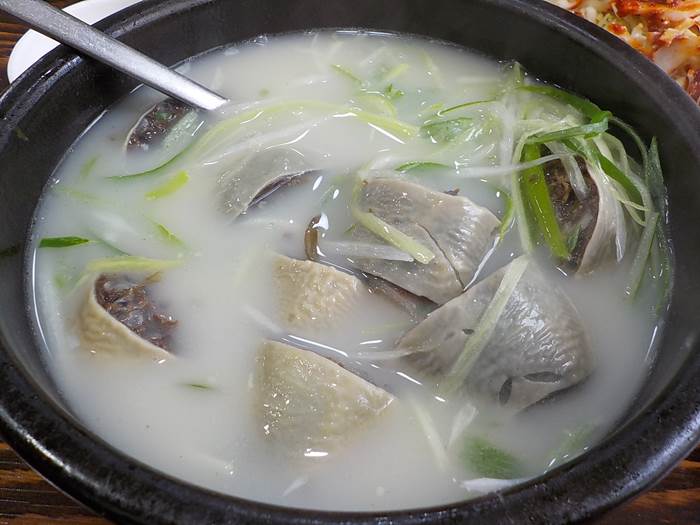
(43, 113)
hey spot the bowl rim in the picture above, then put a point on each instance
(117, 486)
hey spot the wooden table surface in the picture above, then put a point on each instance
(26, 498)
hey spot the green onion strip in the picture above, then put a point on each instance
(484, 329)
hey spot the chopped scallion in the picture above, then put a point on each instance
(392, 93)
(376, 102)
(395, 72)
(462, 106)
(78, 195)
(615, 173)
(420, 165)
(654, 177)
(392, 125)
(655, 180)
(128, 263)
(86, 169)
(62, 242)
(639, 263)
(430, 432)
(633, 134)
(442, 131)
(586, 131)
(168, 236)
(488, 461)
(478, 340)
(536, 193)
(169, 187)
(515, 74)
(394, 236)
(508, 212)
(573, 444)
(588, 108)
(347, 73)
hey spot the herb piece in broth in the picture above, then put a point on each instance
(389, 124)
(508, 213)
(89, 165)
(82, 196)
(488, 461)
(347, 74)
(534, 188)
(586, 131)
(376, 102)
(515, 75)
(129, 263)
(573, 444)
(432, 436)
(588, 108)
(62, 281)
(634, 136)
(420, 166)
(615, 173)
(655, 180)
(598, 118)
(62, 242)
(395, 72)
(169, 187)
(443, 131)
(158, 170)
(463, 105)
(169, 236)
(392, 93)
(641, 256)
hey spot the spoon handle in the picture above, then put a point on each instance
(73, 32)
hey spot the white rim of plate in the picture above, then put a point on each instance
(33, 45)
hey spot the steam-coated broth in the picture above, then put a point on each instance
(392, 274)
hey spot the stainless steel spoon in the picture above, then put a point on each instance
(69, 30)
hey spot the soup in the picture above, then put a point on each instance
(391, 274)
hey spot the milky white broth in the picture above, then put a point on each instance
(223, 296)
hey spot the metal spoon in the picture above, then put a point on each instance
(77, 34)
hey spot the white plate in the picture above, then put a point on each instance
(32, 46)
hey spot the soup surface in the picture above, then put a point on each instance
(271, 302)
